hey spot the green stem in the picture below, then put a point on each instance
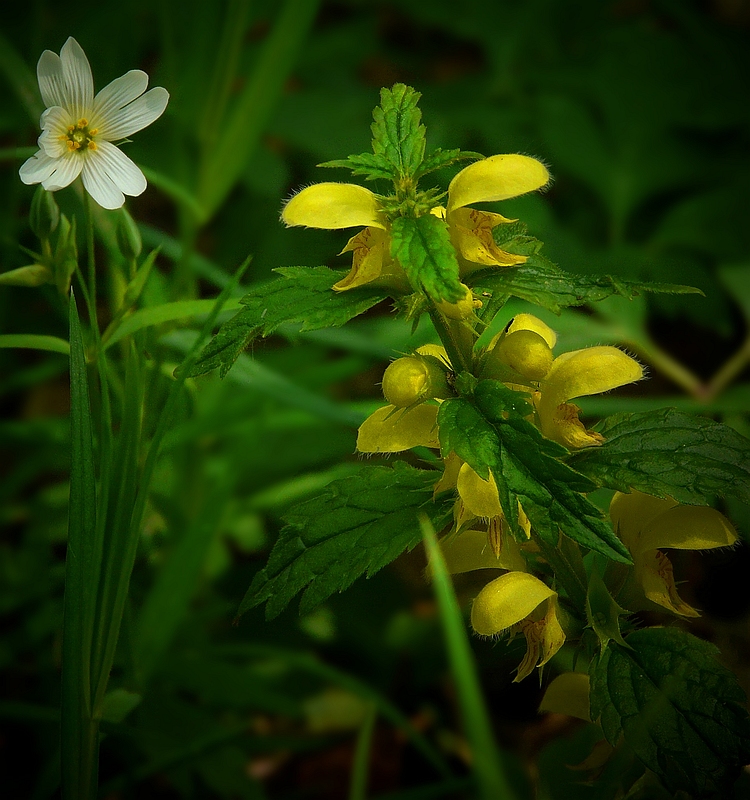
(728, 371)
(90, 260)
(664, 363)
(454, 341)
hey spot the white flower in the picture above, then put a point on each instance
(78, 129)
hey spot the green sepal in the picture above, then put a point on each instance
(639, 453)
(422, 246)
(356, 527)
(301, 295)
(603, 612)
(540, 282)
(678, 709)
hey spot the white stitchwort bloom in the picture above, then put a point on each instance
(78, 129)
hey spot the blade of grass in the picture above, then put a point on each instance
(167, 312)
(491, 778)
(33, 341)
(243, 129)
(78, 728)
(361, 765)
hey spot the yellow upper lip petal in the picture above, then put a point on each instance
(496, 178)
(332, 206)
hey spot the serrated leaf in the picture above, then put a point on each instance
(423, 248)
(369, 165)
(440, 158)
(668, 453)
(540, 282)
(680, 711)
(396, 130)
(527, 469)
(303, 295)
(356, 527)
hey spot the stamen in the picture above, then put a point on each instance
(93, 146)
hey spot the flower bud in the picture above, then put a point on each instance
(32, 275)
(128, 236)
(462, 309)
(44, 214)
(524, 351)
(414, 379)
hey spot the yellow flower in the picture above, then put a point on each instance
(519, 602)
(333, 206)
(647, 524)
(577, 374)
(568, 694)
(495, 178)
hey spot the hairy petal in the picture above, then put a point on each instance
(496, 178)
(332, 206)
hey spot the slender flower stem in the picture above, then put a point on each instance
(728, 371)
(451, 339)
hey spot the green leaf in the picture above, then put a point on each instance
(158, 315)
(33, 341)
(423, 247)
(540, 282)
(370, 166)
(357, 526)
(397, 133)
(440, 158)
(80, 745)
(668, 453)
(527, 469)
(302, 294)
(680, 711)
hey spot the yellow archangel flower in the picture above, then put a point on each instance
(578, 374)
(346, 205)
(518, 602)
(647, 524)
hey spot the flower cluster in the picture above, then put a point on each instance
(347, 205)
(522, 357)
(78, 128)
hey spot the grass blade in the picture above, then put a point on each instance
(247, 121)
(33, 341)
(79, 729)
(491, 778)
(360, 767)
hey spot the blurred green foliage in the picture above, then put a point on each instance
(639, 108)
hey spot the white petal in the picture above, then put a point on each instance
(99, 185)
(135, 116)
(117, 94)
(67, 169)
(79, 83)
(55, 122)
(37, 168)
(49, 73)
(123, 172)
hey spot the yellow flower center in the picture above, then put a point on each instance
(80, 136)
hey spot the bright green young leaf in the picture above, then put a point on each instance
(681, 712)
(440, 158)
(397, 132)
(540, 282)
(527, 469)
(368, 165)
(302, 294)
(668, 453)
(357, 526)
(423, 247)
